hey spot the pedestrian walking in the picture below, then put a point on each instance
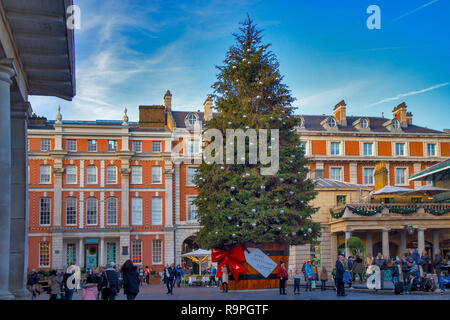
(90, 289)
(357, 269)
(225, 273)
(315, 275)
(170, 275)
(283, 276)
(425, 257)
(380, 261)
(131, 281)
(303, 270)
(309, 275)
(54, 286)
(110, 282)
(180, 275)
(323, 278)
(437, 263)
(212, 275)
(297, 278)
(32, 283)
(68, 290)
(340, 276)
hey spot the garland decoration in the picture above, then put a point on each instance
(437, 212)
(366, 213)
(337, 215)
(404, 211)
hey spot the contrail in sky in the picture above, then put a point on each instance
(415, 10)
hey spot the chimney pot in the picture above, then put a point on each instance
(168, 100)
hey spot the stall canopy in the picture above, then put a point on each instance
(427, 191)
(199, 256)
(391, 190)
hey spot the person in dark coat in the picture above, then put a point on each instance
(110, 282)
(283, 276)
(437, 262)
(381, 262)
(340, 270)
(32, 282)
(425, 261)
(170, 275)
(131, 280)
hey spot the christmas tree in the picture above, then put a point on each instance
(237, 204)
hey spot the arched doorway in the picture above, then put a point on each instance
(393, 249)
(189, 245)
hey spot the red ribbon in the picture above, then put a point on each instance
(232, 257)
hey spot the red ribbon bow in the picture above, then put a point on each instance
(232, 257)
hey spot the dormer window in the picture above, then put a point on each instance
(191, 119)
(331, 122)
(395, 124)
(364, 123)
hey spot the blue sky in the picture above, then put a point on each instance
(129, 52)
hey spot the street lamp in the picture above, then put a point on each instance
(409, 228)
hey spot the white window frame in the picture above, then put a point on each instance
(88, 175)
(434, 149)
(90, 144)
(193, 147)
(157, 222)
(371, 149)
(133, 252)
(115, 251)
(341, 170)
(190, 183)
(111, 211)
(157, 247)
(48, 211)
(45, 174)
(189, 199)
(159, 168)
(405, 176)
(68, 141)
(45, 145)
(111, 170)
(72, 212)
(134, 144)
(339, 148)
(155, 143)
(134, 171)
(136, 211)
(73, 175)
(91, 203)
(395, 149)
(115, 144)
(47, 254)
(373, 176)
(74, 246)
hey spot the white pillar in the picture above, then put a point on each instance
(385, 242)
(101, 260)
(369, 244)
(353, 172)
(420, 240)
(348, 251)
(57, 193)
(6, 73)
(19, 196)
(435, 240)
(402, 242)
(125, 172)
(81, 253)
(57, 250)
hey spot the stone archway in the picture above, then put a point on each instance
(189, 245)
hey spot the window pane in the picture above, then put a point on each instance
(190, 175)
(92, 145)
(112, 145)
(71, 175)
(111, 253)
(44, 211)
(44, 254)
(136, 211)
(400, 176)
(157, 251)
(71, 211)
(368, 176)
(45, 174)
(136, 175)
(335, 148)
(192, 209)
(156, 146)
(156, 174)
(91, 175)
(335, 173)
(111, 211)
(45, 144)
(111, 175)
(156, 211)
(91, 211)
(136, 251)
(70, 254)
(136, 146)
(72, 145)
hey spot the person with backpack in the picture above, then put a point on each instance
(131, 281)
(110, 282)
(32, 282)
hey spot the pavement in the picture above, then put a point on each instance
(158, 292)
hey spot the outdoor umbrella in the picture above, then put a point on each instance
(199, 256)
(391, 190)
(427, 191)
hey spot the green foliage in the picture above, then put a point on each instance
(436, 212)
(337, 215)
(355, 243)
(236, 204)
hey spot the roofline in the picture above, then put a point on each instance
(425, 174)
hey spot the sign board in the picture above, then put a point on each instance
(260, 261)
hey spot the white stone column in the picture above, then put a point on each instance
(385, 242)
(19, 197)
(125, 196)
(124, 243)
(101, 259)
(6, 73)
(81, 252)
(57, 193)
(334, 248)
(348, 251)
(420, 240)
(369, 243)
(177, 192)
(417, 169)
(168, 174)
(435, 241)
(57, 250)
(168, 243)
(353, 172)
(402, 242)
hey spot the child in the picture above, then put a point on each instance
(90, 290)
(297, 277)
(443, 281)
(323, 278)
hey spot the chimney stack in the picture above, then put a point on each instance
(409, 116)
(340, 113)
(208, 108)
(168, 101)
(399, 112)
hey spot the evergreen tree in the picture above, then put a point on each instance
(235, 203)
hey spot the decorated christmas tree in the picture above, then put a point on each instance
(236, 203)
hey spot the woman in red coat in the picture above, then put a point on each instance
(283, 275)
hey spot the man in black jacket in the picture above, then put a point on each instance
(110, 282)
(380, 261)
(437, 262)
(170, 274)
(340, 276)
